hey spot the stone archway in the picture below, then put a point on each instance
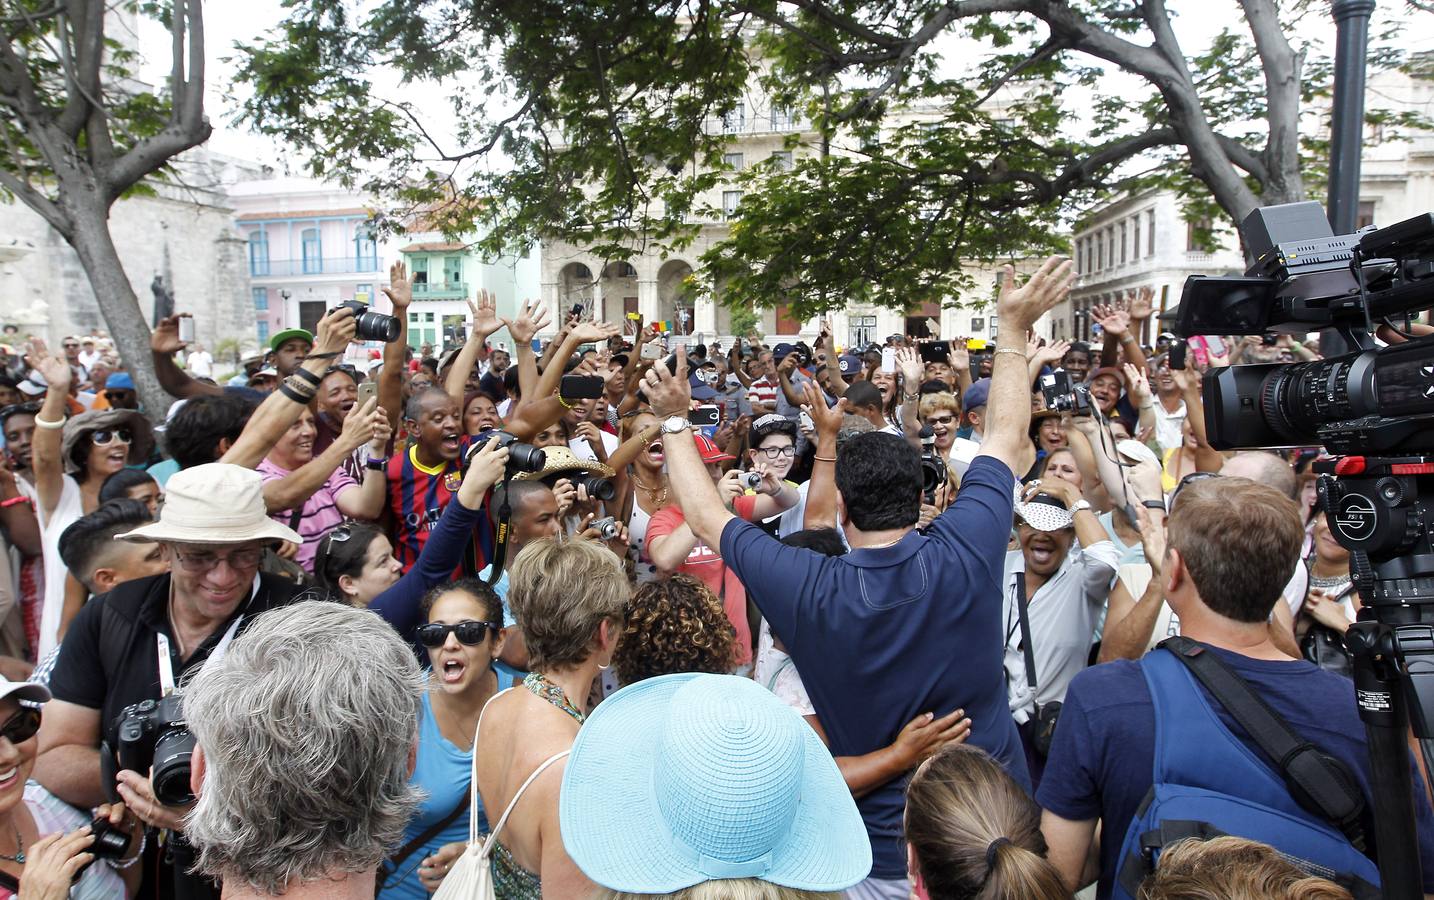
(676, 301)
(575, 289)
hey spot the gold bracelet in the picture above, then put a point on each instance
(1020, 353)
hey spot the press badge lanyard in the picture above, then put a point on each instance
(166, 666)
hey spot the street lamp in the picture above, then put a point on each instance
(1351, 21)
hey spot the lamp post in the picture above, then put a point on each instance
(1351, 20)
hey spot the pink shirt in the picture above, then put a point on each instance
(320, 512)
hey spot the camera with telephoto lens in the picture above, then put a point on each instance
(606, 528)
(370, 325)
(750, 480)
(598, 487)
(152, 733)
(1062, 396)
(521, 457)
(933, 467)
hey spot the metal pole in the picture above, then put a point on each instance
(1351, 20)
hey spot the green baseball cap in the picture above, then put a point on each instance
(278, 340)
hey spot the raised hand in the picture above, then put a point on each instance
(485, 468)
(668, 393)
(165, 337)
(485, 314)
(1019, 307)
(54, 367)
(1033, 345)
(593, 332)
(1143, 306)
(1111, 318)
(361, 423)
(1052, 353)
(826, 419)
(1139, 385)
(960, 356)
(532, 318)
(912, 369)
(400, 287)
(336, 330)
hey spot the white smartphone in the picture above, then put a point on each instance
(186, 330)
(888, 359)
(806, 420)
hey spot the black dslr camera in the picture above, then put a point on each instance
(153, 733)
(1063, 396)
(598, 487)
(370, 325)
(521, 457)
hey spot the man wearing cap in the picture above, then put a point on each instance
(88, 355)
(906, 623)
(973, 409)
(119, 393)
(141, 639)
(673, 547)
(1065, 590)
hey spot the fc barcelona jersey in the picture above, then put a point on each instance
(417, 496)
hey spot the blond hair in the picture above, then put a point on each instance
(962, 810)
(1233, 868)
(560, 591)
(724, 889)
(931, 403)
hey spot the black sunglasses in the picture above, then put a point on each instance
(22, 726)
(1186, 482)
(470, 632)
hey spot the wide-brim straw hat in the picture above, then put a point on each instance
(687, 778)
(561, 459)
(141, 443)
(216, 503)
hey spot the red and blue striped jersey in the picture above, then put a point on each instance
(417, 496)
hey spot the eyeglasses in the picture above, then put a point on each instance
(469, 632)
(339, 535)
(105, 436)
(71, 346)
(1187, 480)
(786, 451)
(22, 726)
(940, 420)
(196, 563)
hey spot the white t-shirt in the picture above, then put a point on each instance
(1168, 426)
(201, 364)
(581, 450)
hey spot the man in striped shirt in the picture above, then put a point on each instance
(764, 387)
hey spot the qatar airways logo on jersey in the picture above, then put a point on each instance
(423, 521)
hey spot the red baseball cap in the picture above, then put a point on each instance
(709, 451)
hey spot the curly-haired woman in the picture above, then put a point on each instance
(672, 626)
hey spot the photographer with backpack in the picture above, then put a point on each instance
(1216, 731)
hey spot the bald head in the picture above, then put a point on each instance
(1264, 467)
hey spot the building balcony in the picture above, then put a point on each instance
(440, 290)
(329, 265)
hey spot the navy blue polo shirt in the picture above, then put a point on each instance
(883, 635)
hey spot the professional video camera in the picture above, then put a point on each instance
(1374, 410)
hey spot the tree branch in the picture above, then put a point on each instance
(1282, 66)
(47, 208)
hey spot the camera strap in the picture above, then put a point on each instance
(500, 539)
(166, 664)
(1023, 617)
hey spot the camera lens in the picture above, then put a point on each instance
(172, 753)
(375, 326)
(598, 487)
(526, 457)
(110, 842)
(751, 481)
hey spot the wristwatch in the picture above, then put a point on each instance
(1079, 505)
(674, 425)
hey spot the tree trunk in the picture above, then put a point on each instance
(119, 306)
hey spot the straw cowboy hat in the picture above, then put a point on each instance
(561, 459)
(216, 503)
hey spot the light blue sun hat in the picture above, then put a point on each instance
(687, 778)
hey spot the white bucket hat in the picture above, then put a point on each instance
(1042, 512)
(216, 503)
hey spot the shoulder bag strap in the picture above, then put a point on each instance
(295, 516)
(493, 835)
(1318, 781)
(1025, 620)
(396, 860)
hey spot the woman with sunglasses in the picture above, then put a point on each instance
(71, 461)
(44, 842)
(463, 633)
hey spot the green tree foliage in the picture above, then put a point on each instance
(926, 133)
(79, 132)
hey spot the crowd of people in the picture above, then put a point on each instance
(617, 614)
